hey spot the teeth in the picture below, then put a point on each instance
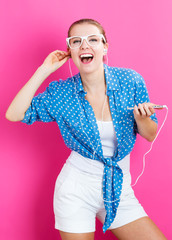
(86, 55)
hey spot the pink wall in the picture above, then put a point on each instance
(140, 37)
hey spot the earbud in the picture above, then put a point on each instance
(105, 50)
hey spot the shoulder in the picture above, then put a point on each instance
(126, 75)
(59, 85)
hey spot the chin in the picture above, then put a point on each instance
(89, 68)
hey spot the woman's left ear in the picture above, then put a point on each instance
(105, 48)
(105, 51)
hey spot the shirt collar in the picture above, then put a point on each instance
(110, 77)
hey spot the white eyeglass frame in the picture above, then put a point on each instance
(82, 38)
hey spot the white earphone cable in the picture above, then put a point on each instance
(150, 148)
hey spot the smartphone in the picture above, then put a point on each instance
(156, 107)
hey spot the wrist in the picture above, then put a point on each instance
(142, 121)
(44, 70)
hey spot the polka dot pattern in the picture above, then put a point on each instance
(63, 103)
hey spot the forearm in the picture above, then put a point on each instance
(147, 128)
(22, 100)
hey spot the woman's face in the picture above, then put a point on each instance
(97, 52)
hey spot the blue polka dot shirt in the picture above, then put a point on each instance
(63, 102)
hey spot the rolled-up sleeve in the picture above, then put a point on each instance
(142, 96)
(43, 107)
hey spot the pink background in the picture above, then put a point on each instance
(139, 35)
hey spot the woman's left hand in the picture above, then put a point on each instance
(147, 128)
(144, 110)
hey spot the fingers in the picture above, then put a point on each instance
(59, 56)
(62, 55)
(144, 110)
(136, 110)
(152, 110)
(64, 60)
(56, 59)
(59, 52)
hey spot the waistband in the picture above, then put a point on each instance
(95, 167)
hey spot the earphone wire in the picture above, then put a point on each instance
(150, 148)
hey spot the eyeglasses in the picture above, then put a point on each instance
(93, 40)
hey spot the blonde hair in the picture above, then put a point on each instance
(89, 21)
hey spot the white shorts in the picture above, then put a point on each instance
(78, 201)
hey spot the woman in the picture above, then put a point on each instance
(91, 111)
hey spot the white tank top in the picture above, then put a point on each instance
(108, 137)
(109, 144)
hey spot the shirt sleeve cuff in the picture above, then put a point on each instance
(27, 115)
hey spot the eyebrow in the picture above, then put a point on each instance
(86, 35)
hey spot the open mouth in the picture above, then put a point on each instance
(86, 58)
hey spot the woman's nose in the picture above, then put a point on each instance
(84, 44)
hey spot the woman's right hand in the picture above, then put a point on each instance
(55, 60)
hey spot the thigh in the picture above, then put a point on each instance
(140, 229)
(129, 209)
(76, 236)
(76, 199)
